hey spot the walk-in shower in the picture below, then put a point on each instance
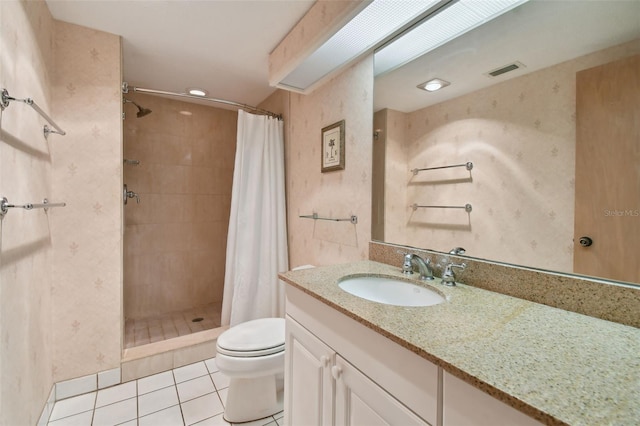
(181, 167)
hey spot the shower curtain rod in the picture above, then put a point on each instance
(126, 89)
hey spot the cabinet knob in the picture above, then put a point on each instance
(336, 372)
(324, 360)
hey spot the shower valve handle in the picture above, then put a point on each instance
(130, 194)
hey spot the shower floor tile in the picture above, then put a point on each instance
(142, 331)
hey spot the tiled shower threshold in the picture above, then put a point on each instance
(141, 361)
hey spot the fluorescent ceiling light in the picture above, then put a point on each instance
(196, 92)
(436, 30)
(433, 84)
(379, 20)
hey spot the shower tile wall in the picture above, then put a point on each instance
(175, 239)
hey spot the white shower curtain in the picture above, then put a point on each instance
(257, 239)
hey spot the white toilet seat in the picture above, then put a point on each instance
(251, 354)
(255, 338)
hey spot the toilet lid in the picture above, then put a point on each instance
(253, 338)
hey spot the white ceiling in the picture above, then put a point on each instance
(223, 46)
(539, 33)
(220, 46)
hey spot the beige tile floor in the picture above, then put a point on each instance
(173, 324)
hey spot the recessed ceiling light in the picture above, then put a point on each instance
(196, 92)
(433, 84)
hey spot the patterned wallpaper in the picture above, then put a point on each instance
(520, 136)
(87, 175)
(26, 252)
(337, 194)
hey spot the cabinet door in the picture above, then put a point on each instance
(361, 402)
(469, 406)
(309, 387)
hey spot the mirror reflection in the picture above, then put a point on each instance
(543, 101)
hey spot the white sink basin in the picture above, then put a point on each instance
(390, 291)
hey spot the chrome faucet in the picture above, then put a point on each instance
(448, 276)
(410, 260)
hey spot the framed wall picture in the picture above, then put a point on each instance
(332, 148)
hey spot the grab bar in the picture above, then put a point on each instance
(468, 166)
(353, 219)
(5, 103)
(466, 207)
(5, 206)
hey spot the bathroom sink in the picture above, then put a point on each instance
(390, 291)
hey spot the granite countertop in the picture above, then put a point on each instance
(557, 366)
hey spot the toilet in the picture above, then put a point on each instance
(251, 354)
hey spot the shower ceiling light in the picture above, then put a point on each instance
(196, 92)
(456, 19)
(433, 84)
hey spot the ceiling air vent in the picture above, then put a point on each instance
(505, 69)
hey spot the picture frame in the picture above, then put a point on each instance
(332, 144)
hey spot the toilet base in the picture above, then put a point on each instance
(253, 399)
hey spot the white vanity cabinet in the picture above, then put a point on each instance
(339, 372)
(322, 388)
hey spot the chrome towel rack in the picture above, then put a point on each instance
(467, 165)
(353, 219)
(5, 206)
(466, 207)
(5, 103)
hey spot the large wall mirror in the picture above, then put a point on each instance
(544, 102)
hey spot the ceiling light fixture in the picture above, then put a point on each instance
(196, 92)
(433, 84)
(373, 24)
(437, 29)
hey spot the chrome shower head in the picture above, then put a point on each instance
(141, 110)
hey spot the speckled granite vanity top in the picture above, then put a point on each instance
(557, 366)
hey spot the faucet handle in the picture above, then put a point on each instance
(448, 276)
(407, 267)
(456, 265)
